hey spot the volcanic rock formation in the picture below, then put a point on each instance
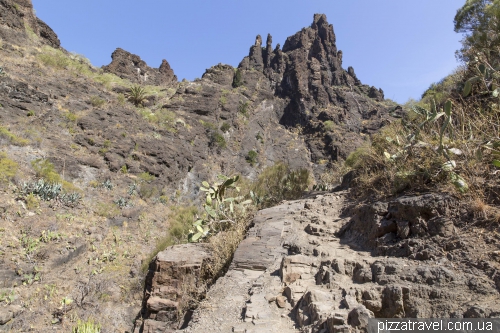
(131, 67)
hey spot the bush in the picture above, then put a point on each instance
(14, 139)
(107, 210)
(8, 168)
(252, 157)
(54, 58)
(237, 80)
(96, 101)
(279, 182)
(88, 326)
(243, 108)
(225, 127)
(329, 125)
(45, 169)
(147, 191)
(217, 139)
(180, 220)
(146, 177)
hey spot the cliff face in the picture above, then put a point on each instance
(308, 75)
(18, 24)
(131, 67)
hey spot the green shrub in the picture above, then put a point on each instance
(88, 326)
(259, 137)
(54, 58)
(243, 108)
(329, 125)
(70, 116)
(217, 139)
(147, 177)
(237, 80)
(121, 99)
(277, 183)
(252, 157)
(147, 191)
(45, 169)
(8, 168)
(107, 210)
(96, 101)
(225, 127)
(14, 139)
(358, 158)
(180, 221)
(32, 201)
(162, 118)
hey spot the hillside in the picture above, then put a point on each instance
(101, 170)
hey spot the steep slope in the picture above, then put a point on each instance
(130, 166)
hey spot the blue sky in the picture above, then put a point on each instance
(400, 46)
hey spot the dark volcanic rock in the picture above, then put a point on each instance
(131, 67)
(308, 74)
(17, 20)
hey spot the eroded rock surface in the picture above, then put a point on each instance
(131, 67)
(300, 270)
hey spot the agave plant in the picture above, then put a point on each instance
(50, 191)
(137, 95)
(107, 184)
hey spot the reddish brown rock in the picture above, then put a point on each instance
(131, 67)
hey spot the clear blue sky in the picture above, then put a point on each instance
(401, 46)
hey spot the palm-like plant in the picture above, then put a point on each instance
(137, 95)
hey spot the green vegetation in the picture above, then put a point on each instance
(137, 95)
(223, 100)
(180, 220)
(162, 118)
(45, 170)
(56, 59)
(237, 80)
(447, 141)
(277, 183)
(252, 157)
(107, 210)
(8, 168)
(97, 102)
(32, 201)
(328, 125)
(88, 326)
(146, 177)
(217, 139)
(243, 108)
(259, 137)
(220, 209)
(14, 139)
(225, 127)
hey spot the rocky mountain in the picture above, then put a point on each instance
(129, 167)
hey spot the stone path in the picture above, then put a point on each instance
(293, 273)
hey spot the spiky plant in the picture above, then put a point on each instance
(137, 95)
